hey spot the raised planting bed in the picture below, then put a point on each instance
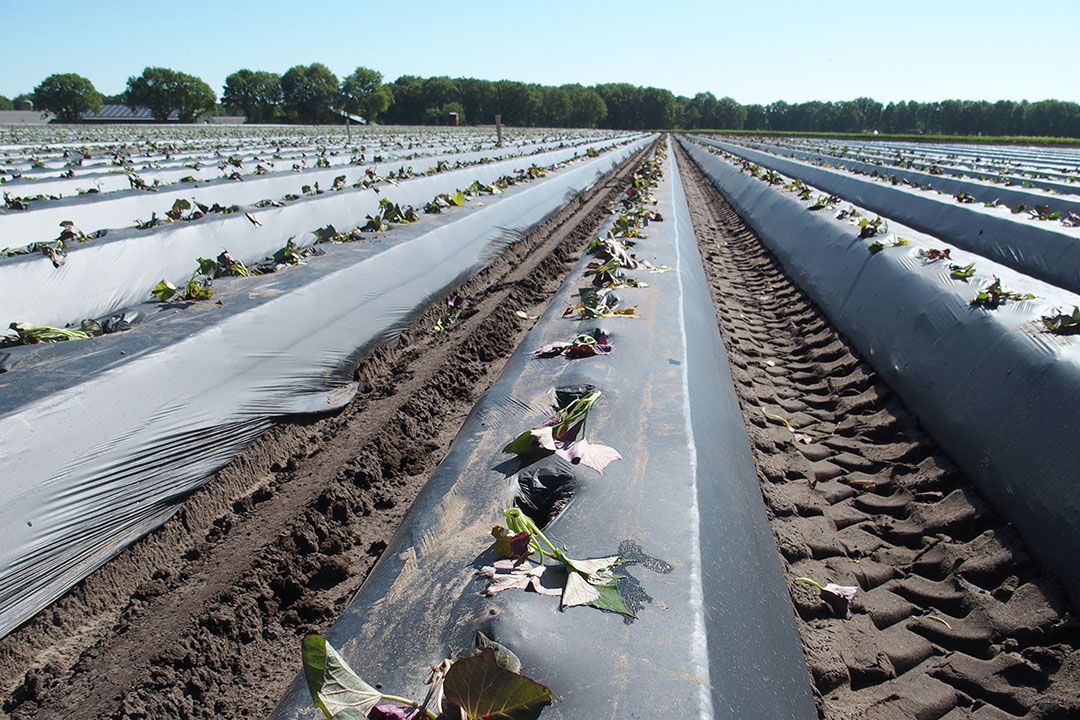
(150, 426)
(972, 190)
(118, 210)
(993, 386)
(1043, 249)
(698, 625)
(99, 277)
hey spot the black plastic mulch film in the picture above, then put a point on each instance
(107, 457)
(714, 634)
(1044, 250)
(999, 394)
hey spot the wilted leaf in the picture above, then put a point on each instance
(578, 591)
(164, 290)
(511, 575)
(334, 687)
(589, 454)
(503, 655)
(485, 691)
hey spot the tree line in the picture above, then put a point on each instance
(314, 94)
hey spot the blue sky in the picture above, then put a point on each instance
(753, 51)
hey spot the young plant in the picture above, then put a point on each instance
(593, 304)
(962, 272)
(563, 434)
(591, 581)
(26, 334)
(459, 310)
(869, 228)
(610, 275)
(582, 346)
(994, 296)
(877, 246)
(487, 685)
(934, 254)
(608, 248)
(1063, 323)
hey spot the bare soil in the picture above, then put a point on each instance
(203, 618)
(953, 619)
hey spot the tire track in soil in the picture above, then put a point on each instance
(204, 617)
(857, 494)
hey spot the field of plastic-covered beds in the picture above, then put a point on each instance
(460, 418)
(962, 292)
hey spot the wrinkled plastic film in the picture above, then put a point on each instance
(994, 391)
(1047, 251)
(89, 468)
(685, 492)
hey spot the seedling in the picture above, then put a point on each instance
(459, 310)
(877, 246)
(1043, 212)
(583, 345)
(934, 254)
(994, 296)
(869, 228)
(589, 582)
(487, 685)
(26, 334)
(823, 201)
(1063, 323)
(563, 434)
(594, 304)
(962, 272)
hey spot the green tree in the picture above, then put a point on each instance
(6, 104)
(165, 91)
(364, 94)
(407, 108)
(518, 103)
(257, 94)
(309, 93)
(587, 108)
(23, 101)
(730, 115)
(67, 95)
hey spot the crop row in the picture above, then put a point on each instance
(149, 424)
(1042, 244)
(987, 357)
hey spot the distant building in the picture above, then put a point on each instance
(24, 117)
(120, 113)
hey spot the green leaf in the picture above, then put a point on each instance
(485, 691)
(503, 655)
(611, 600)
(164, 290)
(522, 444)
(335, 689)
